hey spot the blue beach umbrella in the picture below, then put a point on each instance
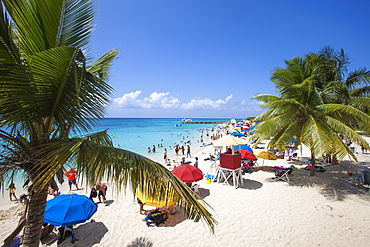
(66, 210)
(237, 134)
(246, 147)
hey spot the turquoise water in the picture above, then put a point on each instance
(137, 134)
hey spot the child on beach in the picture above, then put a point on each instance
(12, 191)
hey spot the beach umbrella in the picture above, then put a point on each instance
(247, 155)
(265, 155)
(155, 200)
(245, 147)
(66, 210)
(229, 140)
(188, 173)
(237, 134)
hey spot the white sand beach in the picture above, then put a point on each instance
(326, 210)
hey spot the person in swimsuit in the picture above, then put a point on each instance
(12, 191)
(102, 191)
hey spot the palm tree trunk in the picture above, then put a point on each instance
(35, 215)
(313, 163)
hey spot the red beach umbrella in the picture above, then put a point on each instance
(248, 155)
(188, 173)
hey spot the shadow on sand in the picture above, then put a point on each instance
(251, 184)
(141, 242)
(335, 183)
(204, 192)
(175, 219)
(89, 234)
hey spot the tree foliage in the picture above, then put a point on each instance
(316, 106)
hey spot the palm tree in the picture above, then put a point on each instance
(335, 83)
(301, 112)
(48, 91)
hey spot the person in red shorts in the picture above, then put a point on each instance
(71, 174)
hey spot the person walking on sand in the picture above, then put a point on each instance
(71, 174)
(196, 162)
(12, 191)
(188, 155)
(183, 150)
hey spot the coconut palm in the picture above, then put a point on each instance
(301, 112)
(341, 86)
(50, 91)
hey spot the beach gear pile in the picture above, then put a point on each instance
(155, 218)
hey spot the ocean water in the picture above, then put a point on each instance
(139, 134)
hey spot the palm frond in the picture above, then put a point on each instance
(76, 23)
(361, 118)
(103, 65)
(360, 77)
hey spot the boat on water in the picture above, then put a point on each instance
(187, 120)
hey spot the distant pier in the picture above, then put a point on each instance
(201, 122)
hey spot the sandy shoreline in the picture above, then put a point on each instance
(326, 210)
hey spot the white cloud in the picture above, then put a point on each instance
(128, 100)
(165, 101)
(154, 101)
(199, 103)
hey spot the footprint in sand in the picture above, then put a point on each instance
(325, 207)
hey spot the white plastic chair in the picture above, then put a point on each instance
(195, 188)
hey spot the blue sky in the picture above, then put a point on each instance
(208, 58)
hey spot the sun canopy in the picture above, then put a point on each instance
(156, 200)
(66, 210)
(229, 140)
(265, 154)
(188, 173)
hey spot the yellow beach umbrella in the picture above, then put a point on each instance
(155, 201)
(265, 155)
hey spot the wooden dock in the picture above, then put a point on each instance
(201, 122)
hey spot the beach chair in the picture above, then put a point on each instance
(283, 175)
(195, 188)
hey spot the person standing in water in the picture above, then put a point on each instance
(165, 155)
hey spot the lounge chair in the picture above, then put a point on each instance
(283, 174)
